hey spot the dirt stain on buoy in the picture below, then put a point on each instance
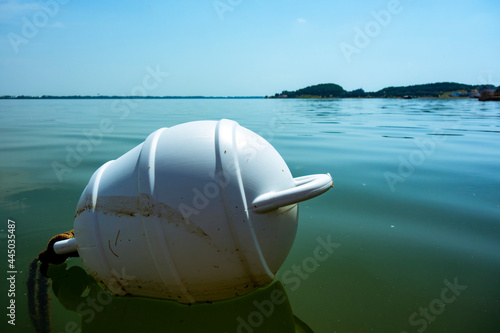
(144, 205)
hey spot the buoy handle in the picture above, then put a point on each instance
(306, 187)
(65, 246)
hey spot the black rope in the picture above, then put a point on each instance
(31, 286)
(38, 282)
(42, 297)
(38, 298)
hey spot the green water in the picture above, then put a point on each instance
(414, 214)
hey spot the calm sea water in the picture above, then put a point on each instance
(415, 211)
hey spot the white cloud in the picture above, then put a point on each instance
(301, 20)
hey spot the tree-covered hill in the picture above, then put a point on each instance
(324, 90)
(440, 89)
(429, 90)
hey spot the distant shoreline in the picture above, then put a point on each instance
(128, 97)
(219, 97)
(438, 90)
(210, 97)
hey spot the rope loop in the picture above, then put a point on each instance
(49, 256)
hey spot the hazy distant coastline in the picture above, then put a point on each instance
(125, 97)
(329, 90)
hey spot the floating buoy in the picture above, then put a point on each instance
(201, 211)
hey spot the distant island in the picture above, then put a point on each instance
(430, 90)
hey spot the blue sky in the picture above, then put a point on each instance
(243, 47)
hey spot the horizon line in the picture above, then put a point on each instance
(121, 97)
(98, 96)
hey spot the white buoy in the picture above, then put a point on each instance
(201, 211)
